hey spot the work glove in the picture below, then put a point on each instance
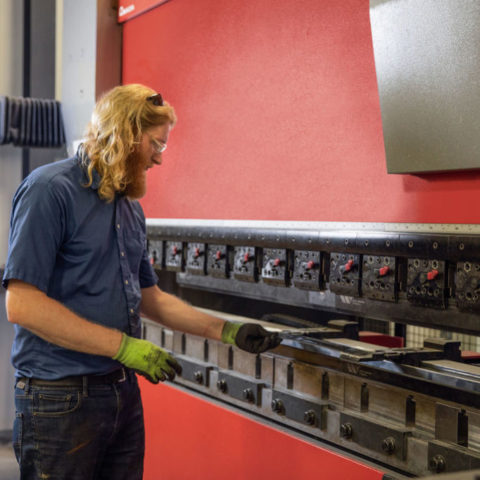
(147, 359)
(249, 336)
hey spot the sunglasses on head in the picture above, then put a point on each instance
(156, 99)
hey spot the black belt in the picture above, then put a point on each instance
(117, 376)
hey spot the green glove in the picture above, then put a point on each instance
(147, 359)
(250, 337)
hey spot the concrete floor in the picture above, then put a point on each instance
(8, 464)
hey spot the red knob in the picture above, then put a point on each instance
(310, 265)
(349, 265)
(218, 255)
(152, 260)
(432, 275)
(384, 270)
(246, 257)
(197, 251)
(174, 250)
(276, 262)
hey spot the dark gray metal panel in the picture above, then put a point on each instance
(427, 58)
(40, 82)
(42, 49)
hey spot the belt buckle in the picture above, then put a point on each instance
(124, 376)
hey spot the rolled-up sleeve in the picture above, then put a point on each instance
(147, 276)
(36, 232)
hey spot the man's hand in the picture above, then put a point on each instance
(147, 359)
(249, 336)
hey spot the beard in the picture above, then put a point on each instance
(136, 177)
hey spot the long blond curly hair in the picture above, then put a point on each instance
(118, 121)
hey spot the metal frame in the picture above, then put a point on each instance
(449, 243)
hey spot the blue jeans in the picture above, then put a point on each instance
(79, 432)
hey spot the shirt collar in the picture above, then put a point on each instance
(96, 178)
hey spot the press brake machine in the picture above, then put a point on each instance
(342, 297)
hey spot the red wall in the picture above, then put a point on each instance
(197, 440)
(279, 120)
(279, 116)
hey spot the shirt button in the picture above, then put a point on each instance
(132, 310)
(118, 226)
(122, 254)
(126, 282)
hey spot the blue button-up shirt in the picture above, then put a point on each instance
(88, 254)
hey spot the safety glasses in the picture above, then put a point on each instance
(158, 147)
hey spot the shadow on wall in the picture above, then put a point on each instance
(7, 408)
(464, 180)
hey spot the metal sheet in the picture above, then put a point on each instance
(427, 59)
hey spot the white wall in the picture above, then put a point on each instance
(78, 57)
(11, 54)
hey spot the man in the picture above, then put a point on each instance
(77, 279)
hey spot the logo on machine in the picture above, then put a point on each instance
(125, 10)
(348, 300)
